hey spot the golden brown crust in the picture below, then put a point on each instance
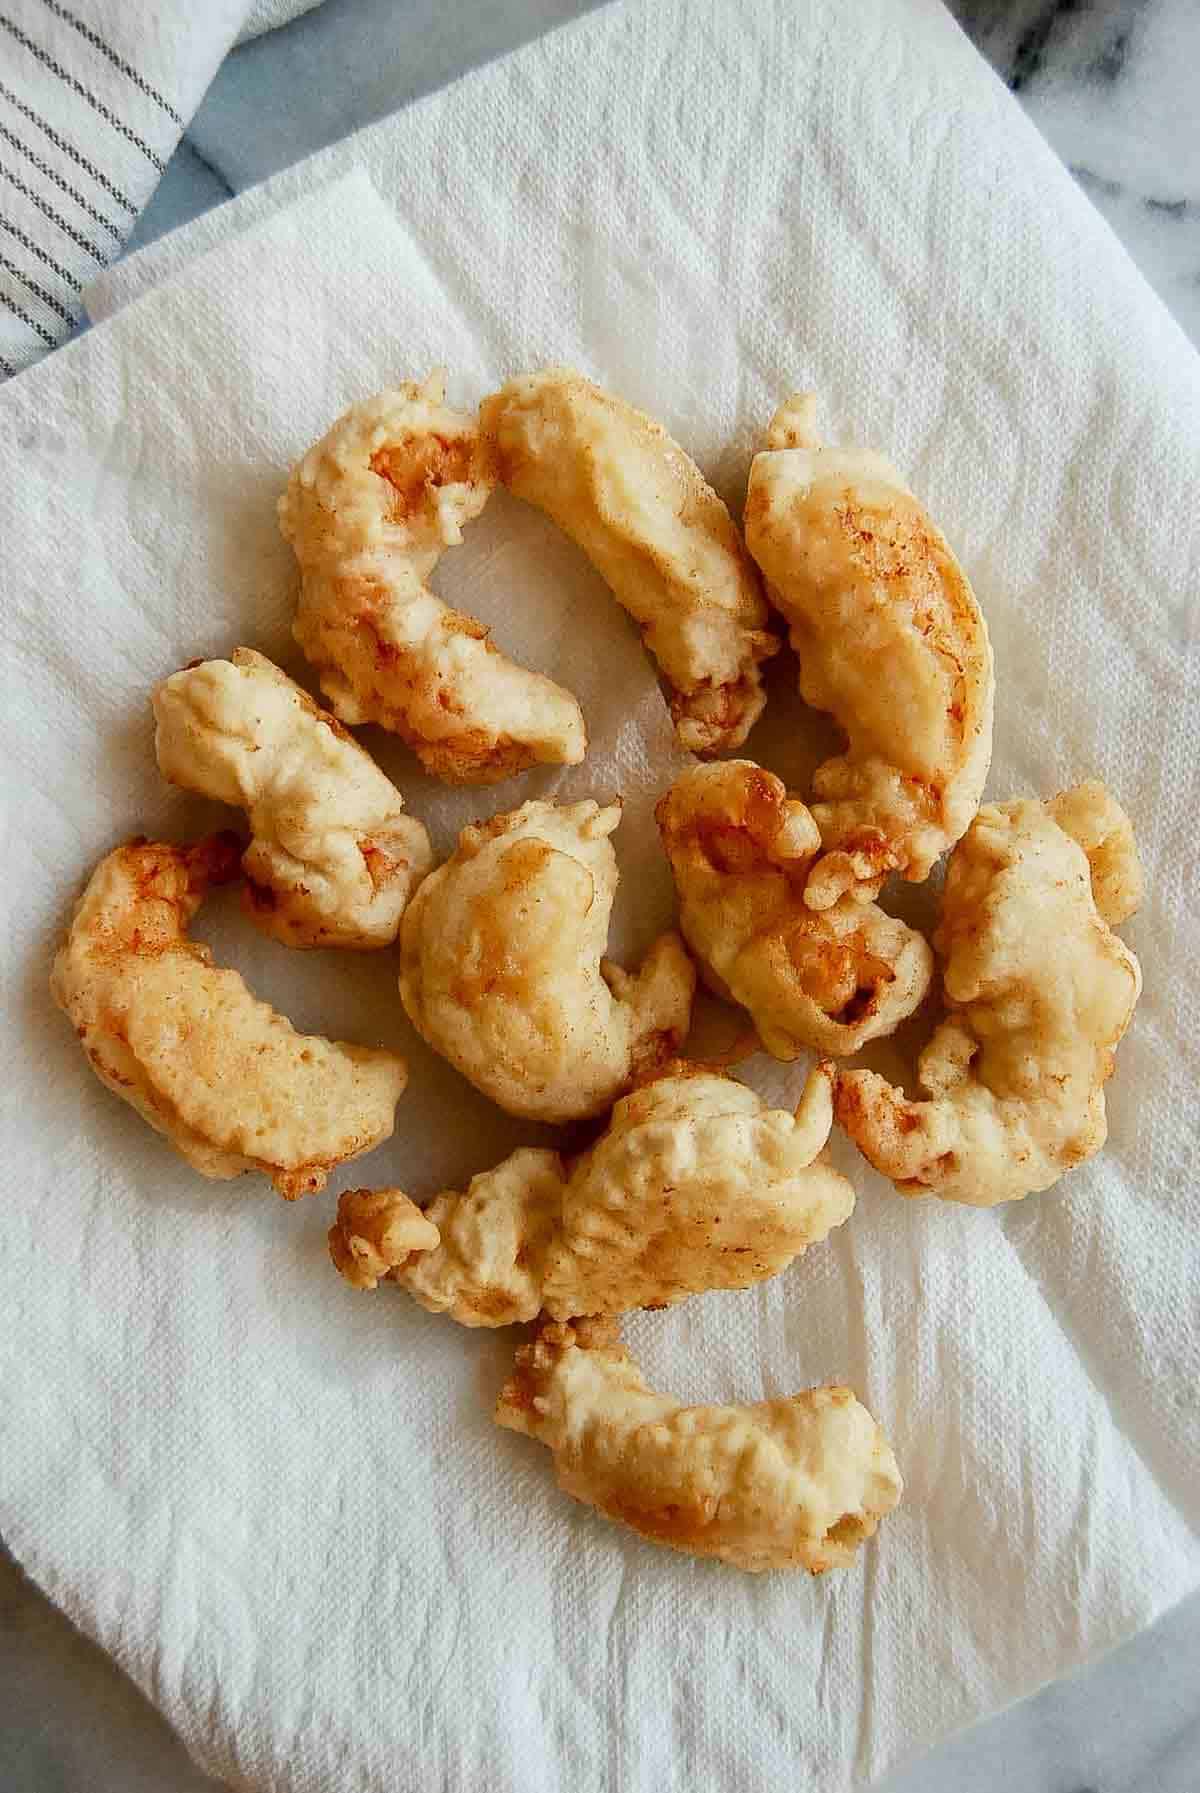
(784, 1484)
(741, 852)
(642, 512)
(225, 1078)
(1038, 991)
(369, 510)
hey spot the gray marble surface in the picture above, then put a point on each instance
(1115, 86)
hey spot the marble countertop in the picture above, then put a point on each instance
(1112, 84)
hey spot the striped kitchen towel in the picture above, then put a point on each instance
(93, 98)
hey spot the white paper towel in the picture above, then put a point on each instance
(283, 1506)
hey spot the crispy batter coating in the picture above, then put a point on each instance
(642, 512)
(824, 980)
(695, 1185)
(1038, 993)
(1097, 823)
(797, 1483)
(891, 643)
(332, 861)
(369, 511)
(502, 966)
(377, 1228)
(229, 1081)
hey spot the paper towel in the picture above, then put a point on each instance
(269, 15)
(283, 1506)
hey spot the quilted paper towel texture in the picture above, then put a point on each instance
(284, 1507)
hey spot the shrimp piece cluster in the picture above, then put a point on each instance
(369, 511)
(503, 969)
(797, 1483)
(656, 532)
(1039, 991)
(332, 860)
(891, 643)
(226, 1079)
(825, 980)
(694, 1185)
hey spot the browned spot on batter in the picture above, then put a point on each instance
(675, 1522)
(381, 866)
(491, 1304)
(655, 1051)
(500, 967)
(758, 503)
(418, 464)
(524, 862)
(518, 1394)
(305, 1179)
(847, 1104)
(849, 1530)
(729, 848)
(457, 622)
(764, 799)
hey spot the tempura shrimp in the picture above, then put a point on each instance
(369, 510)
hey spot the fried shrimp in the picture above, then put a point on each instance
(827, 980)
(694, 1185)
(369, 511)
(642, 512)
(333, 861)
(229, 1081)
(797, 1483)
(503, 973)
(891, 643)
(1038, 991)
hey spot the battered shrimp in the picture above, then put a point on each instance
(797, 1483)
(829, 980)
(369, 511)
(694, 1185)
(332, 861)
(1039, 991)
(502, 967)
(644, 515)
(891, 642)
(230, 1083)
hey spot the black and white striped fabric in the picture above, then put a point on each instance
(93, 98)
